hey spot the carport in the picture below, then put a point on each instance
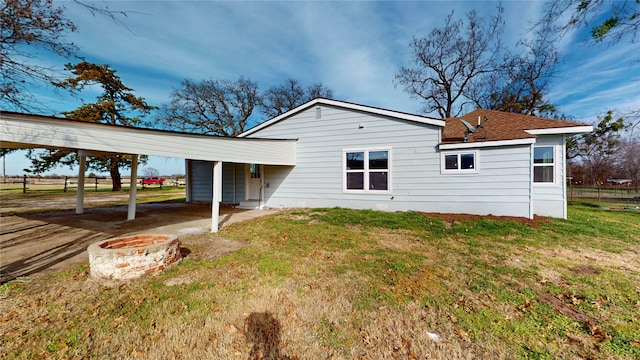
(23, 131)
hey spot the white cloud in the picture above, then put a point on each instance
(355, 48)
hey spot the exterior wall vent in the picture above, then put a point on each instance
(318, 112)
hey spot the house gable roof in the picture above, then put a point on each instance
(349, 106)
(498, 126)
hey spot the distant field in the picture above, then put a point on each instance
(42, 197)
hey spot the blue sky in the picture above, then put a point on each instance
(353, 47)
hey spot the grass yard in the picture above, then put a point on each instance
(345, 284)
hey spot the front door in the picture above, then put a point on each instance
(254, 181)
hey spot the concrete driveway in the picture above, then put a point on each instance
(53, 241)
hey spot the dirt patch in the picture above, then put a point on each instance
(585, 270)
(207, 246)
(564, 309)
(451, 219)
(558, 305)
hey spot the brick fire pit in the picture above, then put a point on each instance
(133, 256)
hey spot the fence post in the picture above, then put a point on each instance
(66, 178)
(24, 184)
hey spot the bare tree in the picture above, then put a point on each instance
(27, 27)
(452, 62)
(521, 85)
(629, 160)
(215, 107)
(151, 172)
(632, 118)
(280, 99)
(610, 20)
(318, 90)
(597, 150)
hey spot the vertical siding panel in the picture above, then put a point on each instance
(202, 182)
(202, 185)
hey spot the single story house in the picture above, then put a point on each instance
(328, 153)
(361, 157)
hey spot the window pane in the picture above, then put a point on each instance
(378, 181)
(543, 155)
(379, 160)
(467, 161)
(355, 181)
(543, 174)
(355, 161)
(451, 162)
(254, 170)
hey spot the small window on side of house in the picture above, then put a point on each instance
(459, 162)
(544, 164)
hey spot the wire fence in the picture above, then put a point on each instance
(26, 184)
(616, 192)
(625, 192)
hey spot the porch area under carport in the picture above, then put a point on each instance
(33, 131)
(42, 242)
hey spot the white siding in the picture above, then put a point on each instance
(417, 184)
(550, 199)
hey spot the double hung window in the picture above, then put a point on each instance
(366, 170)
(544, 164)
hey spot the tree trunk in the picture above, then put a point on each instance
(116, 180)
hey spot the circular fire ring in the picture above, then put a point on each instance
(130, 257)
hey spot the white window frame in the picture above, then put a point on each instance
(366, 171)
(476, 162)
(554, 164)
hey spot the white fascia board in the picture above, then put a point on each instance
(277, 118)
(564, 130)
(389, 113)
(372, 110)
(469, 145)
(48, 132)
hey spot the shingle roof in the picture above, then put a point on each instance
(499, 126)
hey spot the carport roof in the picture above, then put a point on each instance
(34, 131)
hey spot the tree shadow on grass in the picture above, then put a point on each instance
(263, 330)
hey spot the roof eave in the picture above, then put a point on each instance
(562, 130)
(478, 144)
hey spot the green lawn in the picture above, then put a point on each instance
(346, 284)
